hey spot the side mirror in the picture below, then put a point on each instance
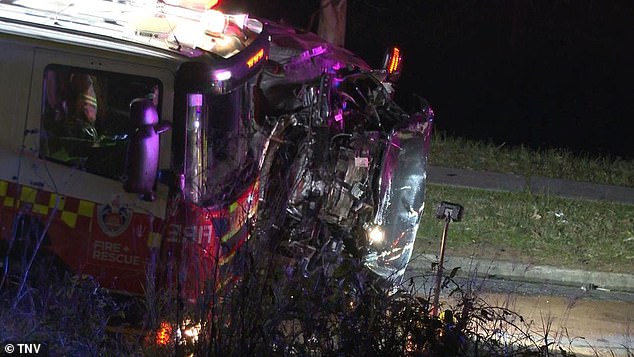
(142, 158)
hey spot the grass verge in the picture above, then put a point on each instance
(529, 228)
(555, 163)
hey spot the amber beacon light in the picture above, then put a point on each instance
(392, 64)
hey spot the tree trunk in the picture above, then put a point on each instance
(332, 21)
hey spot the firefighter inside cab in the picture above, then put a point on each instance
(83, 115)
(85, 125)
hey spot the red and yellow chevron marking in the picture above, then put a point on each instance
(239, 213)
(206, 240)
(70, 210)
(241, 210)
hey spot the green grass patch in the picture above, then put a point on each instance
(533, 229)
(555, 163)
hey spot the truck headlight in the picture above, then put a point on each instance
(375, 235)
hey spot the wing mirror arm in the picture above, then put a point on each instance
(142, 158)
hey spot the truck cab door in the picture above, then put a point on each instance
(77, 135)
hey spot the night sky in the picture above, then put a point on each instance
(544, 74)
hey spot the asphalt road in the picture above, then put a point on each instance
(577, 322)
(580, 319)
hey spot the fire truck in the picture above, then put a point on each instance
(147, 136)
(130, 133)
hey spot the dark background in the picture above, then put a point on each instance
(544, 74)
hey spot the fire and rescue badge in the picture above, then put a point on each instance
(114, 218)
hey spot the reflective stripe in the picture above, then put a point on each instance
(9, 202)
(56, 201)
(89, 99)
(154, 240)
(28, 194)
(43, 202)
(69, 218)
(86, 208)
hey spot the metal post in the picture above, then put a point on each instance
(435, 307)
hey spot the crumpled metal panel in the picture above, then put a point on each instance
(304, 54)
(299, 58)
(401, 202)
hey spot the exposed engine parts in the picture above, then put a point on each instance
(348, 169)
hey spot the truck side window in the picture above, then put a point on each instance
(86, 117)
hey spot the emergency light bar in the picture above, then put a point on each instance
(193, 4)
(186, 26)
